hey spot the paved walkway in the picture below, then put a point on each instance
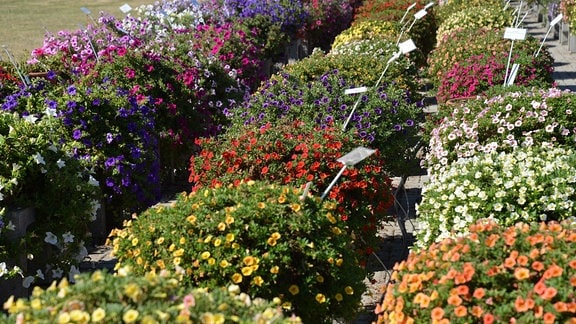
(393, 247)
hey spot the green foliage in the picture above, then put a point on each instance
(264, 238)
(101, 297)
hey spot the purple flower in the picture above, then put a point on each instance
(397, 127)
(71, 90)
(409, 123)
(76, 134)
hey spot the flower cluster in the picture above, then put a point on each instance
(326, 20)
(371, 30)
(386, 117)
(496, 274)
(526, 185)
(101, 297)
(568, 10)
(478, 74)
(38, 172)
(460, 44)
(502, 123)
(472, 18)
(295, 154)
(447, 8)
(272, 241)
(423, 31)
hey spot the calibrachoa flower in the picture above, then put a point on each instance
(386, 118)
(525, 185)
(513, 119)
(525, 273)
(295, 154)
(270, 241)
(326, 19)
(102, 297)
(489, 16)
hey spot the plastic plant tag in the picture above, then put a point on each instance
(556, 20)
(513, 73)
(125, 8)
(356, 155)
(355, 90)
(407, 46)
(86, 10)
(515, 33)
(428, 5)
(420, 14)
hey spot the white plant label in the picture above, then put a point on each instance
(356, 155)
(85, 10)
(515, 33)
(556, 20)
(355, 90)
(513, 73)
(407, 46)
(125, 8)
(420, 14)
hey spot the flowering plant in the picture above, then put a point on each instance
(386, 117)
(502, 123)
(448, 8)
(460, 44)
(528, 184)
(496, 274)
(568, 10)
(100, 297)
(266, 239)
(38, 172)
(326, 20)
(295, 154)
(423, 31)
(477, 74)
(472, 18)
(367, 30)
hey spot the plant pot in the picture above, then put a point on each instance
(572, 43)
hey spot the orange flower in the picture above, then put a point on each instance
(539, 287)
(572, 264)
(522, 260)
(454, 300)
(521, 273)
(549, 293)
(477, 311)
(437, 313)
(560, 307)
(462, 290)
(460, 311)
(538, 266)
(573, 281)
(520, 305)
(549, 318)
(479, 293)
(553, 271)
(422, 299)
(488, 318)
(509, 263)
(491, 240)
(469, 271)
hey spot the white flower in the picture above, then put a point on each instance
(51, 238)
(60, 163)
(3, 269)
(10, 226)
(53, 148)
(93, 182)
(27, 281)
(39, 159)
(30, 118)
(68, 237)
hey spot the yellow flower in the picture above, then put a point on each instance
(177, 261)
(221, 227)
(179, 252)
(236, 278)
(63, 318)
(261, 205)
(282, 199)
(160, 240)
(161, 264)
(294, 290)
(133, 291)
(205, 255)
(320, 298)
(182, 240)
(338, 297)
(191, 219)
(36, 303)
(135, 241)
(319, 278)
(249, 260)
(130, 316)
(148, 320)
(229, 220)
(98, 314)
(246, 271)
(79, 316)
(276, 235)
(229, 237)
(295, 207)
(331, 218)
(349, 290)
(274, 269)
(271, 241)
(217, 242)
(224, 263)
(339, 262)
(258, 281)
(172, 247)
(211, 261)
(336, 230)
(208, 239)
